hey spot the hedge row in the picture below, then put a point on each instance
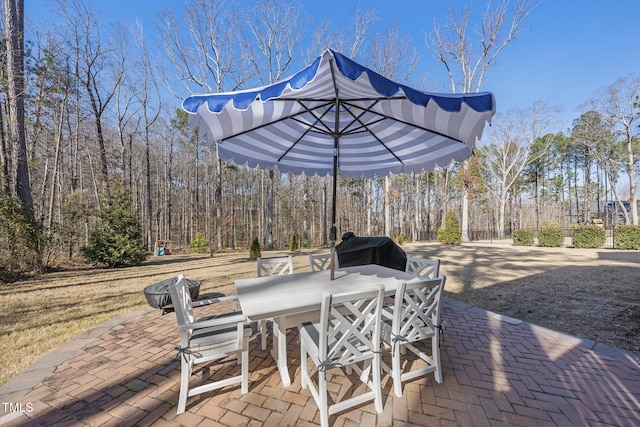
(583, 236)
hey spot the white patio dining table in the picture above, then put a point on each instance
(292, 299)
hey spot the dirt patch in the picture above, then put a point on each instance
(593, 294)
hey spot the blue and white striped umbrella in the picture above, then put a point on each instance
(337, 115)
(336, 106)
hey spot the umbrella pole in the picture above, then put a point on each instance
(334, 231)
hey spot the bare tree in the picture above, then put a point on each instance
(509, 150)
(95, 63)
(14, 32)
(275, 29)
(149, 98)
(390, 54)
(5, 179)
(620, 104)
(349, 41)
(126, 109)
(208, 59)
(467, 62)
(203, 47)
(52, 78)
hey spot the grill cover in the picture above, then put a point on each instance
(383, 251)
(157, 295)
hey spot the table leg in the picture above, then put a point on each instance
(279, 351)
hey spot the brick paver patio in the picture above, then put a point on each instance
(497, 372)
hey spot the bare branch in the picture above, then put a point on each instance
(452, 45)
(276, 27)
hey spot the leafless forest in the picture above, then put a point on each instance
(90, 108)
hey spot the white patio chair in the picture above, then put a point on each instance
(424, 268)
(206, 340)
(272, 267)
(275, 266)
(319, 262)
(348, 334)
(415, 317)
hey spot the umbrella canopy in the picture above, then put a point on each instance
(337, 115)
(381, 126)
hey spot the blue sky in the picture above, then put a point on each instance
(573, 47)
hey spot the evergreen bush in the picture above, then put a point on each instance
(254, 250)
(400, 239)
(199, 244)
(626, 237)
(118, 240)
(588, 236)
(523, 238)
(551, 237)
(450, 234)
(21, 237)
(293, 244)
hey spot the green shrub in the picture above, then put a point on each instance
(199, 244)
(551, 237)
(400, 239)
(293, 244)
(254, 250)
(21, 237)
(523, 238)
(118, 240)
(450, 234)
(626, 237)
(588, 236)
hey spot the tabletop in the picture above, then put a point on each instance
(273, 296)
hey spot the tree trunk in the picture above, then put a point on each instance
(4, 156)
(632, 181)
(587, 189)
(387, 206)
(270, 212)
(218, 200)
(149, 211)
(465, 217)
(104, 171)
(417, 213)
(14, 21)
(502, 215)
(56, 164)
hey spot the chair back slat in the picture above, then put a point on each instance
(424, 268)
(416, 312)
(181, 300)
(319, 262)
(350, 325)
(275, 266)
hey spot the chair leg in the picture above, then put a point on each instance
(303, 366)
(185, 376)
(377, 383)
(244, 368)
(263, 333)
(435, 356)
(323, 405)
(396, 373)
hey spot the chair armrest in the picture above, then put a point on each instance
(209, 301)
(223, 319)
